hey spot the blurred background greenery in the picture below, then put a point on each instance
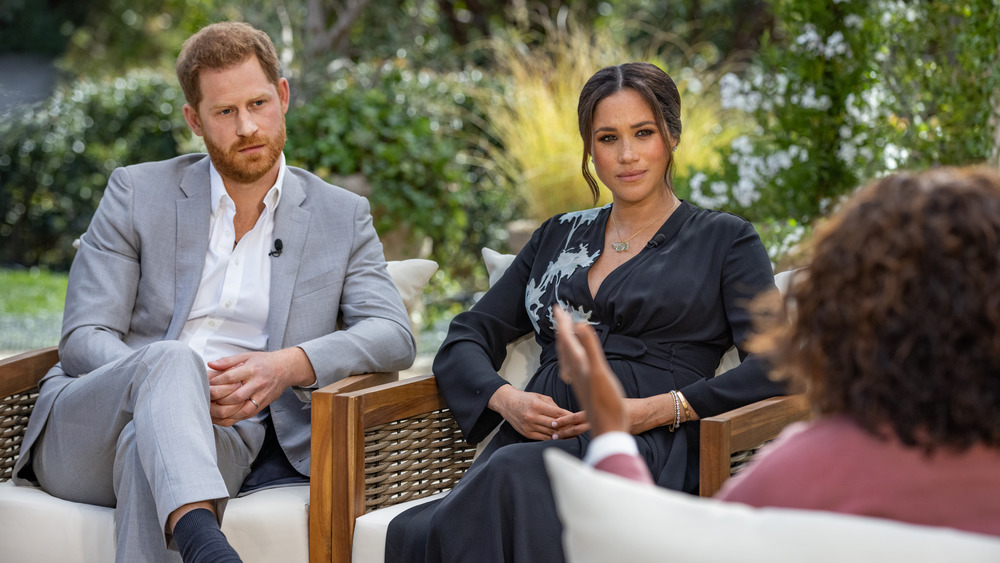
(457, 118)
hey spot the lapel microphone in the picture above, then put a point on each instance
(277, 248)
(657, 241)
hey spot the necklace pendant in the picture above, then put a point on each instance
(619, 246)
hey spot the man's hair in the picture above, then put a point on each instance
(220, 46)
(895, 321)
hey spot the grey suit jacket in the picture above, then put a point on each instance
(134, 279)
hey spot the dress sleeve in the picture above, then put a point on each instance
(746, 272)
(466, 364)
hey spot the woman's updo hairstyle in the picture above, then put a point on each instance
(656, 88)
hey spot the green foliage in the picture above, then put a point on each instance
(127, 34)
(534, 117)
(405, 131)
(32, 26)
(846, 91)
(56, 156)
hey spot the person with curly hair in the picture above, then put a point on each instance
(893, 329)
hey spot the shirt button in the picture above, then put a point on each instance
(236, 261)
(229, 304)
(211, 324)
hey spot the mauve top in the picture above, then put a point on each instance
(833, 464)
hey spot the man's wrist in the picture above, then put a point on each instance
(302, 373)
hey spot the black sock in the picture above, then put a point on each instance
(199, 539)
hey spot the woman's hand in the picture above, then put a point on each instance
(582, 364)
(536, 416)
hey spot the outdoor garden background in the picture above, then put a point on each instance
(458, 118)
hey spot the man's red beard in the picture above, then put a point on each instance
(247, 168)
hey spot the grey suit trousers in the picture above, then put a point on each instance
(137, 435)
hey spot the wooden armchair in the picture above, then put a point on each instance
(397, 442)
(378, 442)
(19, 376)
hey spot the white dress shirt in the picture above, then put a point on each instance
(608, 444)
(229, 315)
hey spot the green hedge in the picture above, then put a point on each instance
(56, 156)
(410, 133)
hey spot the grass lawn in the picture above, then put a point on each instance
(31, 304)
(31, 292)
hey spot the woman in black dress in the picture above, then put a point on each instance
(666, 286)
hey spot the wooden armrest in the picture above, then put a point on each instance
(339, 450)
(21, 373)
(742, 429)
(19, 376)
(358, 382)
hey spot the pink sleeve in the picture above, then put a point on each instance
(625, 465)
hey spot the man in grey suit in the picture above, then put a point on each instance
(209, 295)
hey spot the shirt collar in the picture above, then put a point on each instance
(271, 198)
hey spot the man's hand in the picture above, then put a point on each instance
(583, 365)
(241, 385)
(536, 416)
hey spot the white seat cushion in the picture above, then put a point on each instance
(609, 518)
(521, 363)
(370, 530)
(266, 526)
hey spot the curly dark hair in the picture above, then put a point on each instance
(896, 319)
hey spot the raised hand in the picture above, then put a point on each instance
(582, 364)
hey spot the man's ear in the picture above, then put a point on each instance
(284, 94)
(193, 121)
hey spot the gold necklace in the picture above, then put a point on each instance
(622, 245)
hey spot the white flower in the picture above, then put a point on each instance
(847, 152)
(835, 45)
(697, 180)
(809, 38)
(742, 145)
(729, 86)
(745, 193)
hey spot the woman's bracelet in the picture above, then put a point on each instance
(677, 412)
(687, 407)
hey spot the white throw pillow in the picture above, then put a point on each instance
(609, 518)
(410, 277)
(522, 354)
(496, 264)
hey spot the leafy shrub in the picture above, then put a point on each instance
(56, 156)
(849, 90)
(408, 133)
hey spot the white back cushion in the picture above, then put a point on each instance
(410, 277)
(609, 518)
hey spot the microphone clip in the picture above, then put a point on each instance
(277, 248)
